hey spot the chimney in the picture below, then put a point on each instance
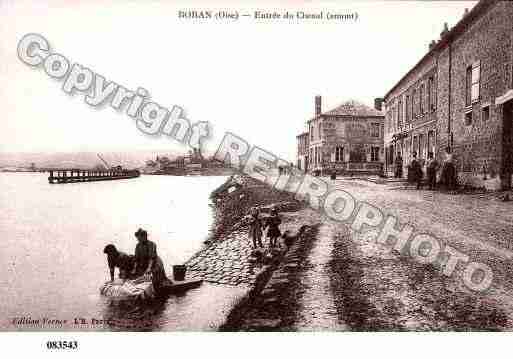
(466, 12)
(432, 44)
(378, 103)
(318, 106)
(445, 30)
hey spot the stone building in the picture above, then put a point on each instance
(459, 98)
(346, 139)
(302, 151)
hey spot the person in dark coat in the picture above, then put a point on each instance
(124, 262)
(431, 169)
(273, 227)
(255, 228)
(448, 177)
(416, 171)
(398, 166)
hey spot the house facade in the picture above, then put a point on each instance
(459, 98)
(346, 139)
(302, 151)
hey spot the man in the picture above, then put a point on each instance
(431, 169)
(416, 171)
(147, 262)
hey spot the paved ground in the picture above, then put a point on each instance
(337, 279)
(374, 289)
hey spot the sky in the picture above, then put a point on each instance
(256, 79)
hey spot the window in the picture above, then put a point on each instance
(486, 113)
(407, 109)
(374, 154)
(421, 146)
(468, 118)
(431, 94)
(429, 87)
(400, 114)
(473, 83)
(413, 112)
(476, 79)
(339, 154)
(431, 142)
(468, 88)
(392, 119)
(311, 133)
(375, 129)
(421, 99)
(320, 128)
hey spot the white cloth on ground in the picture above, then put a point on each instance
(139, 288)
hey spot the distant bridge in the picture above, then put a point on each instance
(79, 175)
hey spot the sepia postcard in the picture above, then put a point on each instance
(255, 166)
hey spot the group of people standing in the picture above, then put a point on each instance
(257, 225)
(416, 169)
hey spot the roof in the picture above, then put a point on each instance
(302, 134)
(354, 108)
(460, 27)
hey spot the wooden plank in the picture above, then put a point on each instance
(181, 286)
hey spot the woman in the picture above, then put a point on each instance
(147, 262)
(123, 261)
(273, 224)
(255, 228)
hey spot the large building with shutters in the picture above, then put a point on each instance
(346, 139)
(459, 98)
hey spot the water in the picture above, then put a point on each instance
(51, 250)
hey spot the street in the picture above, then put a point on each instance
(372, 288)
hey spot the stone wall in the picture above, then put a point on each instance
(478, 146)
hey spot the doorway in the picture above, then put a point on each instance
(507, 144)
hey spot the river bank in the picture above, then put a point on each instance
(226, 257)
(272, 296)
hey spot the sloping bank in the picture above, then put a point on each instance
(226, 258)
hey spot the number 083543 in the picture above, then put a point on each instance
(61, 344)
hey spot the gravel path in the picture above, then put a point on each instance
(317, 305)
(376, 289)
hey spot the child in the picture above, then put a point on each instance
(273, 224)
(255, 228)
